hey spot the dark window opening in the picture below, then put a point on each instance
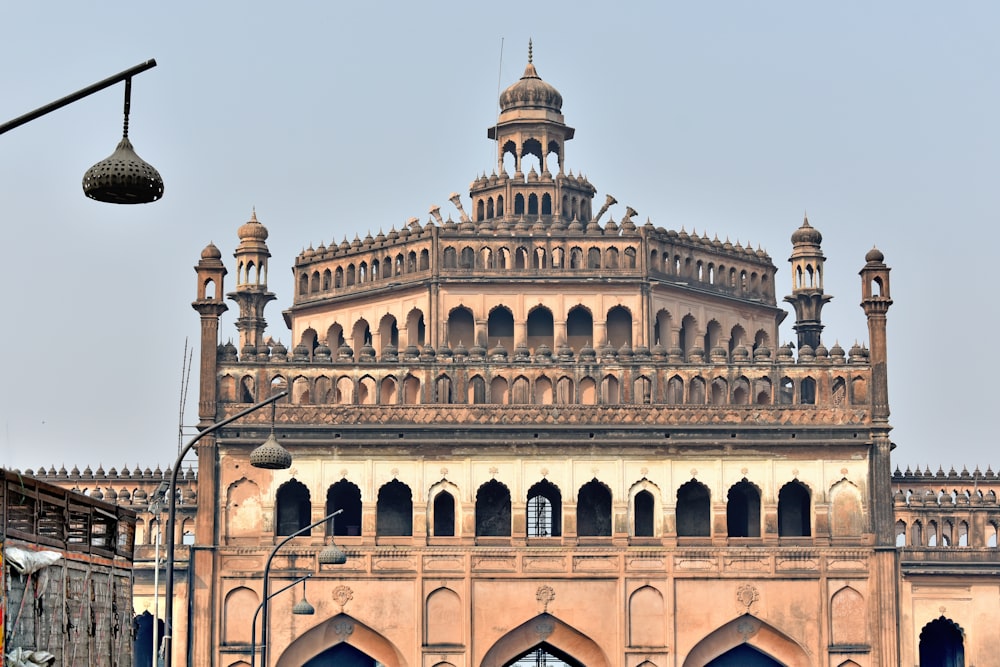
(644, 514)
(345, 496)
(593, 510)
(743, 510)
(694, 511)
(493, 510)
(394, 510)
(293, 508)
(444, 515)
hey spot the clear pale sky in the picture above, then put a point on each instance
(333, 119)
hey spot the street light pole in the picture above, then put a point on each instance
(123, 177)
(168, 614)
(267, 570)
(253, 625)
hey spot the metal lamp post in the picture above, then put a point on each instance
(123, 177)
(297, 610)
(331, 555)
(168, 615)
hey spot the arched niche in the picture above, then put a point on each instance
(752, 631)
(545, 630)
(340, 629)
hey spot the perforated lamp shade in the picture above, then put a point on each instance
(123, 178)
(271, 455)
(303, 608)
(332, 555)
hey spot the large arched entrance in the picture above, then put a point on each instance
(559, 643)
(342, 641)
(341, 655)
(747, 640)
(744, 655)
(941, 644)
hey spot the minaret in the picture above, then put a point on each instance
(210, 306)
(807, 284)
(875, 301)
(251, 283)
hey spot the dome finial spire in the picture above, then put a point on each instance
(529, 51)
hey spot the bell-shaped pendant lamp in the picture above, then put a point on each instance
(123, 177)
(302, 607)
(271, 455)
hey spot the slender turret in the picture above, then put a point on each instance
(251, 283)
(807, 295)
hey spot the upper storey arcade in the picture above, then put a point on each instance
(530, 235)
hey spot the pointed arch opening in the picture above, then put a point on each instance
(942, 644)
(394, 510)
(341, 640)
(551, 634)
(743, 510)
(694, 510)
(794, 510)
(292, 507)
(544, 510)
(731, 641)
(493, 510)
(593, 510)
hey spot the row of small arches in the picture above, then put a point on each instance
(544, 509)
(573, 208)
(577, 330)
(947, 533)
(533, 258)
(539, 257)
(610, 389)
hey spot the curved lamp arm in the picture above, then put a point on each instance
(168, 615)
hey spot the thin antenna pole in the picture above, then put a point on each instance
(496, 136)
(186, 361)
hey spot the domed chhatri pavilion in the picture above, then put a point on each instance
(558, 437)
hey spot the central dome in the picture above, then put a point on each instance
(530, 92)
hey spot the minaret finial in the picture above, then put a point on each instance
(529, 51)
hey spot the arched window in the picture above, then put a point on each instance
(467, 259)
(643, 510)
(807, 391)
(743, 510)
(444, 514)
(394, 510)
(619, 325)
(900, 533)
(694, 511)
(292, 508)
(477, 390)
(493, 510)
(793, 511)
(540, 328)
(544, 510)
(675, 391)
(346, 496)
(579, 328)
(500, 328)
(593, 510)
(941, 644)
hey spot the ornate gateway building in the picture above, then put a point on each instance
(560, 438)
